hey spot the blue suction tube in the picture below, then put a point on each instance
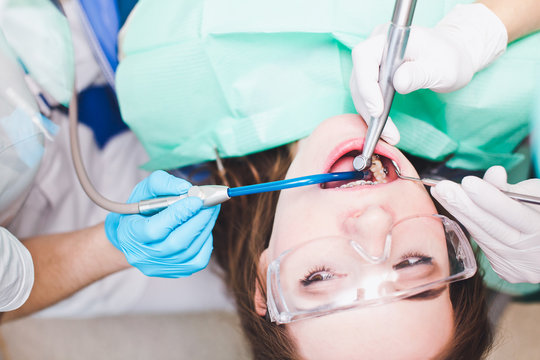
(296, 182)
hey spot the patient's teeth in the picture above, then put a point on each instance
(357, 183)
(377, 168)
(379, 174)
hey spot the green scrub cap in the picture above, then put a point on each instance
(39, 35)
(241, 76)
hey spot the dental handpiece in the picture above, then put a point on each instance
(394, 51)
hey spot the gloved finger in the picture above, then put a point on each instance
(418, 74)
(159, 183)
(496, 176)
(411, 76)
(182, 244)
(493, 201)
(167, 269)
(381, 29)
(187, 233)
(528, 187)
(201, 260)
(358, 101)
(160, 225)
(479, 223)
(366, 58)
(390, 132)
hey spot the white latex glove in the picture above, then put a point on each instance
(443, 58)
(506, 230)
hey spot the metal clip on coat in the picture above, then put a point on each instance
(394, 51)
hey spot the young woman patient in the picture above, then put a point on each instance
(352, 270)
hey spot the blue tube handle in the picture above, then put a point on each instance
(296, 182)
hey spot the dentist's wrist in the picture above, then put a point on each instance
(112, 258)
(520, 18)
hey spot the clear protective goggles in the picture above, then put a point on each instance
(330, 274)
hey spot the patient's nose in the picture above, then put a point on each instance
(369, 229)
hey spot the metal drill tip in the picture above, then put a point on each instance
(361, 162)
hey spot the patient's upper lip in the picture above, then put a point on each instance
(357, 144)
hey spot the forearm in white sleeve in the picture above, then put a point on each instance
(16, 272)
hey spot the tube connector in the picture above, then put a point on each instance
(210, 195)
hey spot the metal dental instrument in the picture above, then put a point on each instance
(432, 182)
(210, 194)
(394, 51)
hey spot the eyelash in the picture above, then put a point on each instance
(423, 260)
(306, 281)
(426, 295)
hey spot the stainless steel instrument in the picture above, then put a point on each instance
(394, 51)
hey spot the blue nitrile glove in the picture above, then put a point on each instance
(173, 243)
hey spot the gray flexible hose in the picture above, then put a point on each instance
(86, 184)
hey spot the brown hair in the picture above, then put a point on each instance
(242, 233)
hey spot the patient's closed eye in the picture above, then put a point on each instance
(412, 260)
(318, 274)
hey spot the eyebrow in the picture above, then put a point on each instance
(428, 294)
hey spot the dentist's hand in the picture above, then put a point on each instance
(506, 230)
(443, 58)
(173, 243)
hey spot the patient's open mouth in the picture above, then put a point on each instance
(382, 171)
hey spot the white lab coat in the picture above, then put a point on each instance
(57, 203)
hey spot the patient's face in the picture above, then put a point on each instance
(407, 329)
